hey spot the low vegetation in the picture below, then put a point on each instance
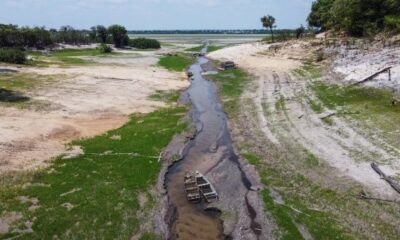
(104, 48)
(232, 84)
(169, 96)
(144, 43)
(372, 107)
(96, 194)
(178, 62)
(12, 55)
(211, 48)
(66, 57)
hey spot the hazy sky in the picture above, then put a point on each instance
(154, 14)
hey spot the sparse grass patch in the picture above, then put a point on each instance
(213, 48)
(177, 63)
(95, 195)
(280, 104)
(25, 81)
(65, 57)
(169, 96)
(231, 83)
(195, 49)
(372, 107)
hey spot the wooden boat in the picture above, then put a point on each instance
(197, 186)
(191, 188)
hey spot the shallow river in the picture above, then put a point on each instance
(211, 153)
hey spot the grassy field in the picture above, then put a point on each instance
(289, 171)
(94, 195)
(177, 63)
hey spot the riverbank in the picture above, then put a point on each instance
(311, 167)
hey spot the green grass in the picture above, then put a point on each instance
(371, 107)
(195, 49)
(231, 83)
(176, 63)
(169, 96)
(102, 185)
(65, 57)
(280, 105)
(211, 48)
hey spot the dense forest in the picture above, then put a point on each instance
(356, 17)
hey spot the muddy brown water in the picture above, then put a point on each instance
(210, 152)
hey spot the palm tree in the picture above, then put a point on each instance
(269, 22)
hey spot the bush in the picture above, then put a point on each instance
(144, 43)
(104, 48)
(11, 55)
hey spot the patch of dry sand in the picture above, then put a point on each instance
(90, 101)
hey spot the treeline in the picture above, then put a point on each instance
(38, 37)
(356, 17)
(14, 40)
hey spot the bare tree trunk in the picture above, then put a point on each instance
(272, 34)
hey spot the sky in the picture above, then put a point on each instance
(154, 14)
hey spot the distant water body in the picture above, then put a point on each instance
(212, 38)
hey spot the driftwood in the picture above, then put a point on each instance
(328, 116)
(387, 69)
(364, 196)
(388, 179)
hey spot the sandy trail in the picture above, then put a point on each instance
(87, 101)
(340, 145)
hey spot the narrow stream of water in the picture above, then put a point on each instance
(210, 152)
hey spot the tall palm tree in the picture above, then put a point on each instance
(269, 22)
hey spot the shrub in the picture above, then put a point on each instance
(104, 48)
(12, 55)
(144, 43)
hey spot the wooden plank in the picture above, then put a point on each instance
(388, 179)
(374, 75)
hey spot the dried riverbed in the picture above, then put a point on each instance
(211, 152)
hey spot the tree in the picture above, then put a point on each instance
(102, 33)
(93, 34)
(119, 34)
(300, 31)
(320, 16)
(269, 23)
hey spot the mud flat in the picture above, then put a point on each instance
(81, 101)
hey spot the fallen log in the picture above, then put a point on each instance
(363, 196)
(328, 116)
(388, 179)
(387, 69)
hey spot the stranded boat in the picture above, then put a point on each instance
(197, 187)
